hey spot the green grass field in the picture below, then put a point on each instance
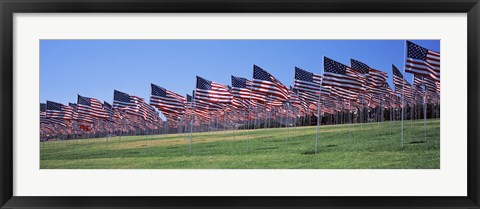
(357, 146)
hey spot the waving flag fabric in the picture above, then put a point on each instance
(43, 113)
(422, 61)
(307, 81)
(59, 114)
(240, 88)
(307, 86)
(429, 83)
(265, 84)
(108, 109)
(375, 78)
(90, 106)
(167, 101)
(212, 92)
(399, 82)
(336, 75)
(122, 101)
(130, 104)
(59, 111)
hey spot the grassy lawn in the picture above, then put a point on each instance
(357, 146)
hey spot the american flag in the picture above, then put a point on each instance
(296, 100)
(375, 78)
(142, 109)
(122, 101)
(238, 102)
(382, 93)
(385, 89)
(43, 113)
(59, 111)
(212, 92)
(340, 75)
(266, 84)
(307, 85)
(242, 88)
(422, 61)
(74, 108)
(43, 110)
(427, 82)
(189, 99)
(108, 108)
(344, 93)
(399, 82)
(130, 104)
(200, 108)
(59, 114)
(167, 101)
(189, 105)
(91, 106)
(376, 81)
(307, 81)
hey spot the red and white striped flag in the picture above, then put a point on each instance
(266, 84)
(422, 61)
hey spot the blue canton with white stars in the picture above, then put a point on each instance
(396, 72)
(83, 100)
(54, 106)
(238, 82)
(158, 91)
(121, 97)
(359, 66)
(260, 74)
(303, 75)
(333, 66)
(203, 83)
(416, 51)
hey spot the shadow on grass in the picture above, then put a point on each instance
(266, 148)
(309, 152)
(417, 142)
(312, 152)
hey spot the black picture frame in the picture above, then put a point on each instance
(9, 7)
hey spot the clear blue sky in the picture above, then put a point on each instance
(93, 68)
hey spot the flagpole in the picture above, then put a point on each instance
(106, 139)
(414, 92)
(286, 123)
(424, 109)
(403, 90)
(319, 106)
(349, 121)
(191, 127)
(248, 130)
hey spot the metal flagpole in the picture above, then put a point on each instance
(191, 127)
(75, 128)
(286, 124)
(348, 114)
(106, 139)
(403, 90)
(411, 112)
(146, 139)
(249, 117)
(424, 108)
(234, 127)
(224, 124)
(318, 118)
(191, 131)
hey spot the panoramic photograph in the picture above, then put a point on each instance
(239, 104)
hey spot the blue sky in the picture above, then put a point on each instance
(93, 68)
